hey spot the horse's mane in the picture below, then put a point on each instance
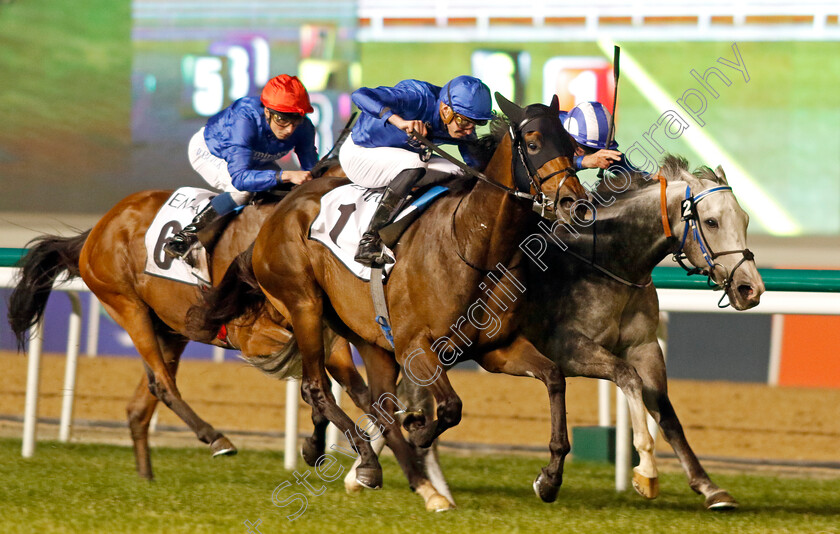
(482, 149)
(671, 168)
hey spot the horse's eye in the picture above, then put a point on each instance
(711, 223)
(532, 146)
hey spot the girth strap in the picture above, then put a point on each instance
(380, 306)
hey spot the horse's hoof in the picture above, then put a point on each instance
(645, 486)
(352, 487)
(545, 490)
(222, 447)
(720, 501)
(438, 503)
(369, 477)
(310, 453)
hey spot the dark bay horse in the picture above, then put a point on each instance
(110, 258)
(602, 323)
(452, 292)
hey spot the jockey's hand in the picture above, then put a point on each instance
(601, 159)
(408, 126)
(296, 177)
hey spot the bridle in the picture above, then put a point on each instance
(525, 172)
(524, 169)
(691, 218)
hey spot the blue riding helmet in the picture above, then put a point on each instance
(468, 96)
(589, 124)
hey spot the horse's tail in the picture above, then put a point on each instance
(49, 256)
(237, 295)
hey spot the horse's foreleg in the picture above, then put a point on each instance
(650, 365)
(522, 359)
(135, 318)
(382, 375)
(587, 358)
(314, 446)
(421, 366)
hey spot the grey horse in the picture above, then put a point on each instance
(593, 310)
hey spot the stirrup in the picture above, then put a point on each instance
(179, 246)
(371, 251)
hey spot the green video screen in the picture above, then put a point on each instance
(774, 128)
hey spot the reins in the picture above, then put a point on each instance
(536, 179)
(538, 200)
(666, 225)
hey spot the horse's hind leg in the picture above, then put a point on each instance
(140, 410)
(135, 317)
(650, 365)
(522, 359)
(306, 319)
(341, 368)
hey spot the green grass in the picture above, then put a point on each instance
(92, 488)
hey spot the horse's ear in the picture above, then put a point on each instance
(513, 112)
(555, 104)
(721, 175)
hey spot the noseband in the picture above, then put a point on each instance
(692, 220)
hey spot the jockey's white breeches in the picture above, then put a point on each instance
(377, 167)
(213, 169)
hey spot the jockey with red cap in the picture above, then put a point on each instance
(380, 153)
(239, 148)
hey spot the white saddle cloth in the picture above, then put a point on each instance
(345, 214)
(177, 212)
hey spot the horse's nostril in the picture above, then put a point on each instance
(745, 290)
(566, 203)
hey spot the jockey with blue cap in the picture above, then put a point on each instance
(380, 152)
(589, 123)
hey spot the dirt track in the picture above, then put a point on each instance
(720, 418)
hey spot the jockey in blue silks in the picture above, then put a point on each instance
(238, 150)
(380, 153)
(588, 123)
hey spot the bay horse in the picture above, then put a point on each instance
(110, 258)
(463, 250)
(597, 311)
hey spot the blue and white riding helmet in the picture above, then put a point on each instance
(589, 124)
(468, 96)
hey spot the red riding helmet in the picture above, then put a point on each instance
(286, 94)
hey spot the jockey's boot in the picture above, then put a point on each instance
(180, 243)
(370, 246)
